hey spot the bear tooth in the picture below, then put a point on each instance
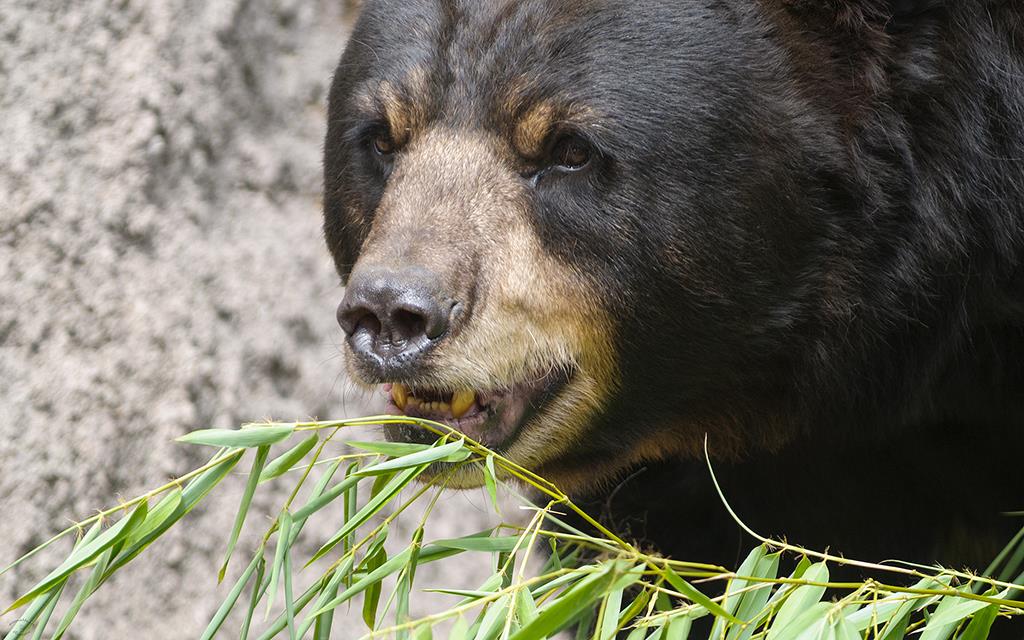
(400, 395)
(462, 401)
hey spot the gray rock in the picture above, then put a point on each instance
(161, 269)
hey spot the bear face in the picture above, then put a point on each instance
(590, 234)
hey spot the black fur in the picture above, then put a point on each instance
(808, 220)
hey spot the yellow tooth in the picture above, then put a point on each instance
(443, 407)
(400, 395)
(462, 401)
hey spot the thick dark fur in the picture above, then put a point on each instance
(807, 218)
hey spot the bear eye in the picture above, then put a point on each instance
(571, 153)
(383, 144)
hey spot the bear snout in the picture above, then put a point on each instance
(391, 317)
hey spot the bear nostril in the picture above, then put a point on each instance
(407, 324)
(353, 318)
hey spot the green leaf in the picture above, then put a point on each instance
(948, 615)
(800, 599)
(491, 482)
(375, 504)
(452, 452)
(281, 622)
(22, 624)
(325, 620)
(526, 608)
(695, 596)
(387, 568)
(752, 607)
(284, 463)
(232, 597)
(322, 500)
(480, 542)
(393, 449)
(734, 594)
(562, 610)
(254, 599)
(608, 622)
(157, 516)
(981, 624)
(47, 612)
(406, 581)
(193, 494)
(243, 507)
(808, 623)
(371, 599)
(678, 628)
(284, 527)
(459, 630)
(423, 632)
(84, 554)
(493, 619)
(253, 436)
(91, 584)
(289, 599)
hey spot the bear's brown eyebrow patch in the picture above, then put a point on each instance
(532, 129)
(533, 122)
(402, 105)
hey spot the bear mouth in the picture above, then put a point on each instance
(493, 417)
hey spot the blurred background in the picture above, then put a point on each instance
(162, 269)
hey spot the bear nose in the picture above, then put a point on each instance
(391, 316)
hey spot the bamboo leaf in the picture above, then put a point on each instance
(157, 516)
(375, 504)
(289, 599)
(460, 629)
(560, 612)
(254, 598)
(22, 624)
(491, 482)
(84, 554)
(493, 619)
(232, 597)
(406, 581)
(808, 623)
(752, 606)
(950, 611)
(800, 599)
(981, 624)
(47, 613)
(371, 599)
(692, 593)
(452, 452)
(392, 449)
(678, 628)
(192, 495)
(322, 500)
(480, 542)
(91, 584)
(325, 620)
(243, 507)
(526, 608)
(608, 623)
(387, 568)
(253, 436)
(284, 463)
(284, 526)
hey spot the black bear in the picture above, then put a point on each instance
(592, 234)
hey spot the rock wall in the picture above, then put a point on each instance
(161, 269)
